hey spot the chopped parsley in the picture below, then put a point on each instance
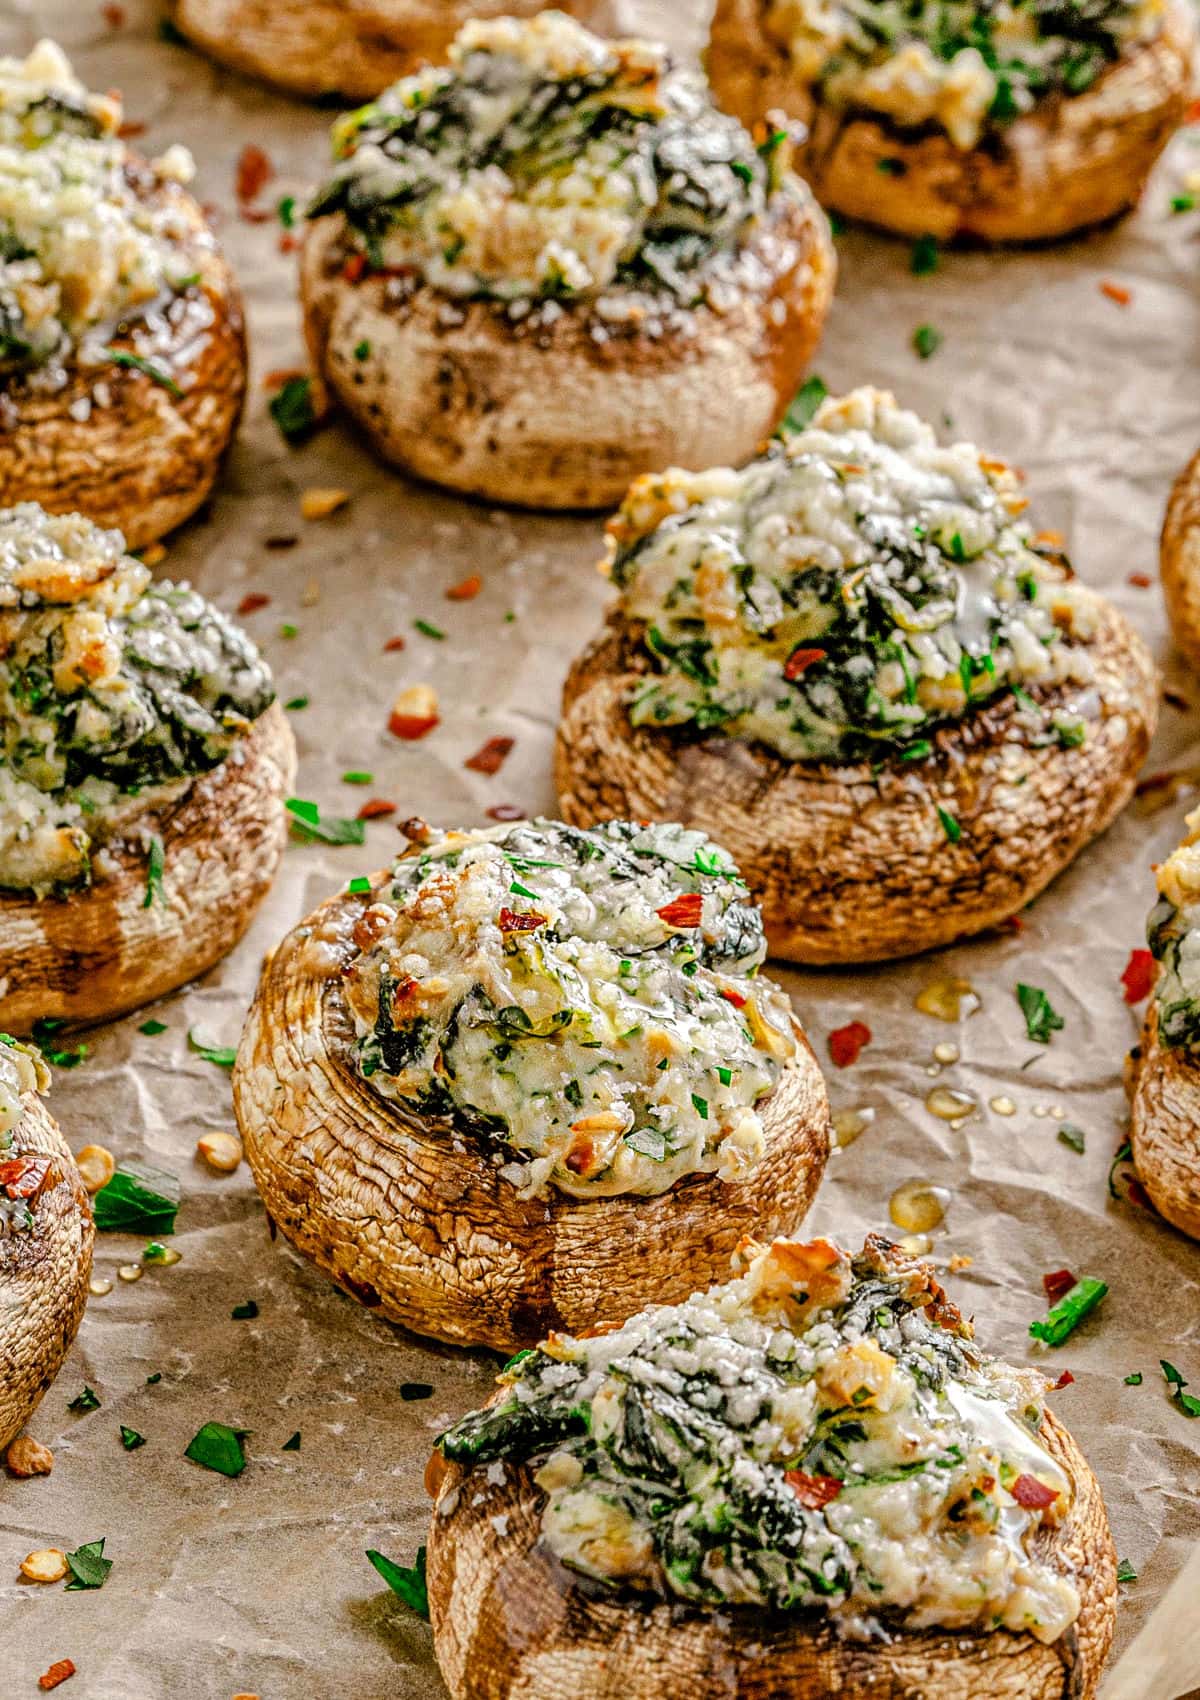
(924, 256)
(1073, 1136)
(287, 211)
(138, 363)
(245, 1312)
(292, 409)
(408, 1582)
(59, 1056)
(1064, 1317)
(1134, 1380)
(1126, 1572)
(950, 826)
(1187, 1402)
(218, 1447)
(88, 1400)
(154, 873)
(358, 777)
(1041, 1018)
(88, 1566)
(131, 1439)
(138, 1200)
(805, 403)
(309, 823)
(429, 630)
(152, 1028)
(362, 350)
(292, 1443)
(224, 1056)
(294, 703)
(926, 340)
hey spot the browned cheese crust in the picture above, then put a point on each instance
(1181, 561)
(1072, 162)
(409, 1216)
(1165, 1126)
(96, 953)
(852, 863)
(355, 48)
(43, 1276)
(145, 462)
(460, 394)
(510, 1623)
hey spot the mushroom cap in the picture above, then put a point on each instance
(43, 1276)
(145, 462)
(1164, 1126)
(356, 48)
(1073, 161)
(852, 863)
(1181, 561)
(511, 1623)
(461, 394)
(93, 954)
(412, 1217)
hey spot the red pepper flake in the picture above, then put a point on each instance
(1138, 976)
(1136, 1193)
(113, 15)
(254, 172)
(511, 921)
(682, 911)
(410, 727)
(813, 1492)
(467, 591)
(845, 1043)
(504, 811)
(24, 1177)
(288, 242)
(1058, 1283)
(1064, 1380)
(376, 809)
(1141, 581)
(579, 1158)
(354, 267)
(280, 375)
(130, 128)
(1033, 1494)
(800, 660)
(1117, 292)
(252, 602)
(491, 757)
(255, 215)
(393, 644)
(59, 1671)
(735, 998)
(1192, 115)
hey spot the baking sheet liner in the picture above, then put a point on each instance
(259, 1585)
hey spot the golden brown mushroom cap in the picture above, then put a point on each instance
(1073, 161)
(852, 863)
(412, 1217)
(1164, 1127)
(511, 1623)
(145, 462)
(43, 1275)
(1181, 561)
(461, 395)
(96, 953)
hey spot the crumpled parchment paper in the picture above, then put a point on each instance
(259, 1585)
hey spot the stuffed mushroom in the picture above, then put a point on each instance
(143, 769)
(533, 271)
(1181, 561)
(528, 1074)
(1165, 1125)
(46, 1239)
(808, 1481)
(1017, 122)
(857, 666)
(348, 47)
(122, 349)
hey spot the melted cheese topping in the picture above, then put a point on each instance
(86, 237)
(852, 589)
(817, 1434)
(585, 1002)
(22, 1073)
(954, 63)
(545, 162)
(113, 692)
(1173, 933)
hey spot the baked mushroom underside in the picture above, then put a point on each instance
(1074, 161)
(1164, 1126)
(145, 459)
(1180, 565)
(355, 48)
(44, 1272)
(510, 1621)
(126, 939)
(414, 1218)
(861, 863)
(465, 396)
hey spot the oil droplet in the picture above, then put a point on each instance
(163, 1255)
(1040, 1110)
(945, 1053)
(951, 999)
(1003, 1106)
(918, 1206)
(916, 1245)
(933, 1071)
(948, 1104)
(99, 1285)
(1058, 1111)
(849, 1125)
(129, 1272)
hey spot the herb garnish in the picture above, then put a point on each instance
(218, 1447)
(131, 1439)
(308, 822)
(924, 256)
(138, 1200)
(1041, 1018)
(138, 363)
(152, 1028)
(224, 1056)
(408, 1583)
(154, 873)
(950, 826)
(88, 1400)
(1134, 1380)
(926, 340)
(1187, 1402)
(805, 403)
(429, 630)
(43, 1035)
(294, 703)
(1126, 1572)
(89, 1567)
(1069, 1312)
(245, 1312)
(292, 409)
(292, 1444)
(411, 1390)
(1073, 1136)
